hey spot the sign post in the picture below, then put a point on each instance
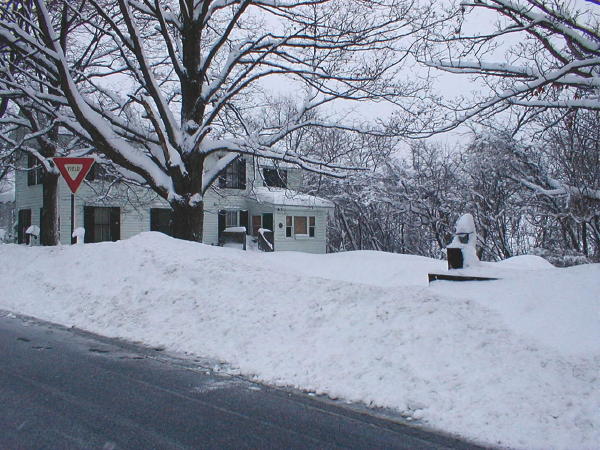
(73, 171)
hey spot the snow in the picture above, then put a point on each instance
(465, 224)
(513, 362)
(235, 229)
(34, 230)
(287, 197)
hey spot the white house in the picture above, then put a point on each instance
(248, 194)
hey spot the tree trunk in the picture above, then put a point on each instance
(49, 217)
(187, 221)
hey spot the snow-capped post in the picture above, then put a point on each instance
(462, 250)
(33, 231)
(79, 235)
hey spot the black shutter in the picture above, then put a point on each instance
(267, 221)
(153, 219)
(221, 222)
(244, 220)
(241, 173)
(41, 223)
(115, 224)
(24, 223)
(88, 224)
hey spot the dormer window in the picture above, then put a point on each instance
(275, 178)
(234, 175)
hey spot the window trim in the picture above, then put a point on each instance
(35, 171)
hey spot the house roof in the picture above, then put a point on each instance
(287, 197)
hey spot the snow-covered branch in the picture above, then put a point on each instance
(552, 56)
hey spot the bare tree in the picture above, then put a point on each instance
(550, 56)
(171, 91)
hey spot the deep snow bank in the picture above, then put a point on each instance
(484, 360)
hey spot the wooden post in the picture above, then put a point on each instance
(72, 217)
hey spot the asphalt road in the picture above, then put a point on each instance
(62, 389)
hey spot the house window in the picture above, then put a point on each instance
(232, 218)
(24, 219)
(160, 220)
(300, 226)
(102, 224)
(234, 175)
(35, 172)
(275, 178)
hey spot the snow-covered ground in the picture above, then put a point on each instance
(513, 362)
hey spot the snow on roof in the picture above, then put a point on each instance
(287, 197)
(7, 196)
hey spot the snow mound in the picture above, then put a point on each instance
(365, 267)
(475, 359)
(526, 262)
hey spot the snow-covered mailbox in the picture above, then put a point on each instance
(463, 263)
(462, 251)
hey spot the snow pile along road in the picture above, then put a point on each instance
(513, 362)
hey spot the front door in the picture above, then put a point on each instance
(256, 224)
(267, 221)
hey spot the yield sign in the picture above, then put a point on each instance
(74, 170)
